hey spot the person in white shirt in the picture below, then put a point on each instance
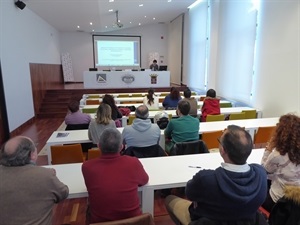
(151, 100)
(281, 158)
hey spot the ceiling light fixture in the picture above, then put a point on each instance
(140, 5)
(110, 10)
(21, 5)
(194, 4)
(91, 23)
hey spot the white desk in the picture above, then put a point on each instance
(119, 100)
(174, 173)
(126, 79)
(85, 96)
(81, 136)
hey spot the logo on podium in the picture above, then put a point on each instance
(153, 78)
(128, 78)
(101, 77)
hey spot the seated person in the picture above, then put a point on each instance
(75, 116)
(193, 102)
(100, 123)
(28, 192)
(161, 119)
(112, 181)
(151, 100)
(211, 105)
(142, 132)
(172, 99)
(227, 195)
(182, 129)
(281, 158)
(115, 113)
(154, 66)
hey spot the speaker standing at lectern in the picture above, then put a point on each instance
(154, 66)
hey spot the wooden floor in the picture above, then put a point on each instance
(72, 211)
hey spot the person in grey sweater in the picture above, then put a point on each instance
(100, 123)
(142, 132)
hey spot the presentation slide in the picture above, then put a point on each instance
(116, 51)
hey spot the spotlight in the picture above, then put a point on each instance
(21, 5)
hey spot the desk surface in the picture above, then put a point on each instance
(159, 178)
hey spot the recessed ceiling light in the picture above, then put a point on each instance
(105, 26)
(153, 18)
(140, 5)
(78, 27)
(129, 22)
(111, 0)
(139, 24)
(93, 30)
(169, 0)
(145, 16)
(91, 23)
(110, 10)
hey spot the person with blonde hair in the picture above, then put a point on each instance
(281, 158)
(100, 123)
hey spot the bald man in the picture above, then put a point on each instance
(27, 192)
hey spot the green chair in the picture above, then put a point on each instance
(137, 95)
(90, 110)
(225, 104)
(250, 114)
(123, 95)
(130, 119)
(93, 96)
(211, 118)
(237, 116)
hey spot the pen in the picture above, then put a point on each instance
(199, 167)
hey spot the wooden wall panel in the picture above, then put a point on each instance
(44, 77)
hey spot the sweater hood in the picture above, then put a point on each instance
(243, 187)
(141, 125)
(213, 101)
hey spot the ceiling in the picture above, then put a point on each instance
(66, 15)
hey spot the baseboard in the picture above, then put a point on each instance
(21, 128)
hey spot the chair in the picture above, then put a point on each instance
(160, 100)
(93, 153)
(144, 219)
(92, 102)
(202, 98)
(262, 136)
(237, 116)
(89, 110)
(211, 139)
(225, 104)
(130, 119)
(250, 114)
(93, 96)
(123, 95)
(145, 152)
(63, 154)
(137, 95)
(164, 94)
(210, 118)
(187, 148)
(83, 126)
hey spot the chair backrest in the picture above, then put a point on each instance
(144, 219)
(202, 98)
(93, 96)
(187, 148)
(211, 138)
(83, 126)
(130, 119)
(91, 110)
(63, 154)
(210, 118)
(225, 104)
(263, 135)
(237, 116)
(93, 153)
(250, 114)
(137, 95)
(145, 152)
(123, 95)
(92, 102)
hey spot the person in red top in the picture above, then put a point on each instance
(211, 105)
(112, 181)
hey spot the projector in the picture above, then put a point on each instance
(118, 24)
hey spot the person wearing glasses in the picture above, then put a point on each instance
(230, 194)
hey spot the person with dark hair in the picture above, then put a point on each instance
(193, 102)
(28, 192)
(142, 132)
(115, 113)
(230, 194)
(211, 105)
(172, 99)
(182, 129)
(151, 100)
(154, 66)
(75, 116)
(112, 181)
(100, 123)
(281, 158)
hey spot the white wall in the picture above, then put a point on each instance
(80, 46)
(277, 87)
(24, 38)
